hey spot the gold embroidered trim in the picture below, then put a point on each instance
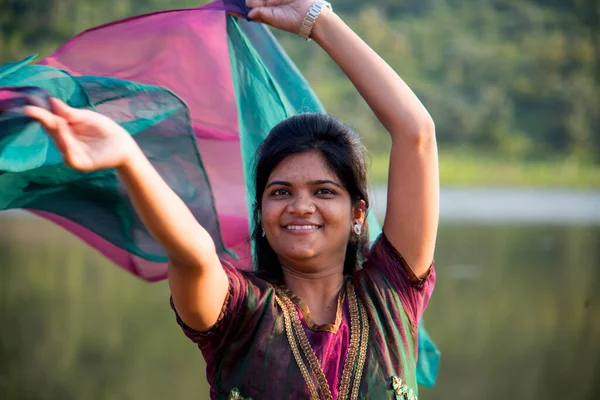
(352, 349)
(235, 395)
(402, 390)
(359, 336)
(332, 328)
(295, 352)
(362, 357)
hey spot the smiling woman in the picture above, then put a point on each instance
(317, 320)
(326, 316)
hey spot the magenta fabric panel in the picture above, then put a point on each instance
(187, 52)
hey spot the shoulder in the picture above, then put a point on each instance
(255, 281)
(247, 298)
(387, 282)
(380, 256)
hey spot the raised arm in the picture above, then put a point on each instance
(89, 142)
(196, 278)
(411, 218)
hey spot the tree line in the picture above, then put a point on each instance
(517, 78)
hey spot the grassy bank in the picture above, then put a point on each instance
(468, 169)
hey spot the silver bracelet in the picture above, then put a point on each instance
(311, 18)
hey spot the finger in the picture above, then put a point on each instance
(57, 127)
(266, 3)
(46, 118)
(59, 130)
(254, 15)
(261, 14)
(234, 14)
(62, 109)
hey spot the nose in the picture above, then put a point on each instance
(301, 205)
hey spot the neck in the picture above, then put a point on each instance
(319, 290)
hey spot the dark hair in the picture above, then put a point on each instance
(341, 149)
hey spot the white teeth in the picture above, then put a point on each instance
(301, 227)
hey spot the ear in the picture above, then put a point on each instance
(359, 212)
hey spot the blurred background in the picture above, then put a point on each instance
(514, 88)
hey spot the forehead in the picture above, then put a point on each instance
(303, 167)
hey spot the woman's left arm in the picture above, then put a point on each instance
(412, 213)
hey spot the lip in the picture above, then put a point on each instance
(302, 230)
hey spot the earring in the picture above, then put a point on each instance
(263, 233)
(357, 228)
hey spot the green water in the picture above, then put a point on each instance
(516, 314)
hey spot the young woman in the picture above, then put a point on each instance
(325, 317)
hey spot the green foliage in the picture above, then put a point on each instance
(466, 167)
(514, 78)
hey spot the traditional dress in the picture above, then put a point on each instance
(198, 90)
(266, 345)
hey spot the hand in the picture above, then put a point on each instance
(286, 15)
(88, 141)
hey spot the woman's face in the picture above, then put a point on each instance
(307, 213)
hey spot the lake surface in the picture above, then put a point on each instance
(501, 205)
(516, 310)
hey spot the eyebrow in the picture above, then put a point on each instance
(311, 183)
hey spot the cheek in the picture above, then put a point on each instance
(338, 216)
(270, 213)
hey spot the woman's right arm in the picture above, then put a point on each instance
(90, 141)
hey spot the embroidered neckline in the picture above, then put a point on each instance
(307, 315)
(356, 356)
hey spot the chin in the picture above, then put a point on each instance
(299, 254)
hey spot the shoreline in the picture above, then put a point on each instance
(491, 205)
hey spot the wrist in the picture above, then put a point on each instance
(132, 155)
(326, 18)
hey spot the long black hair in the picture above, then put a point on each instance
(341, 149)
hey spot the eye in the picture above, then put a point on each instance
(325, 192)
(279, 192)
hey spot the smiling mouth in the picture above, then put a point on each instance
(301, 227)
